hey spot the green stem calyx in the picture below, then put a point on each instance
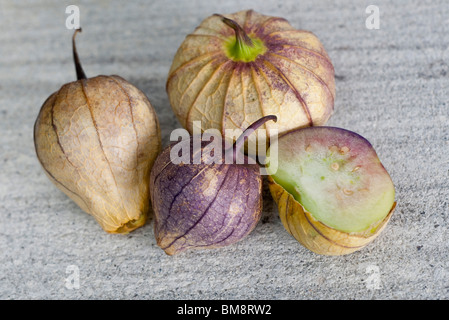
(242, 47)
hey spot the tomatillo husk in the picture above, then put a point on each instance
(97, 139)
(205, 205)
(233, 69)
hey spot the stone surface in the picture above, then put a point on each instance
(392, 88)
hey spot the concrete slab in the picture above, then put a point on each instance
(392, 88)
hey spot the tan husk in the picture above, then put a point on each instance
(293, 79)
(97, 139)
(315, 235)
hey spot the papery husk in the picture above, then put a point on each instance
(315, 235)
(204, 205)
(97, 140)
(293, 79)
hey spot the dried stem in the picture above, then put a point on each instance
(240, 34)
(79, 69)
(244, 136)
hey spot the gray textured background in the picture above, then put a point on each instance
(392, 88)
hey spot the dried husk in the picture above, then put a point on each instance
(293, 79)
(315, 235)
(97, 139)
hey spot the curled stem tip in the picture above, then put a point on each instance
(79, 69)
(248, 131)
(240, 34)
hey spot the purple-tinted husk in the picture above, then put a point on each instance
(188, 217)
